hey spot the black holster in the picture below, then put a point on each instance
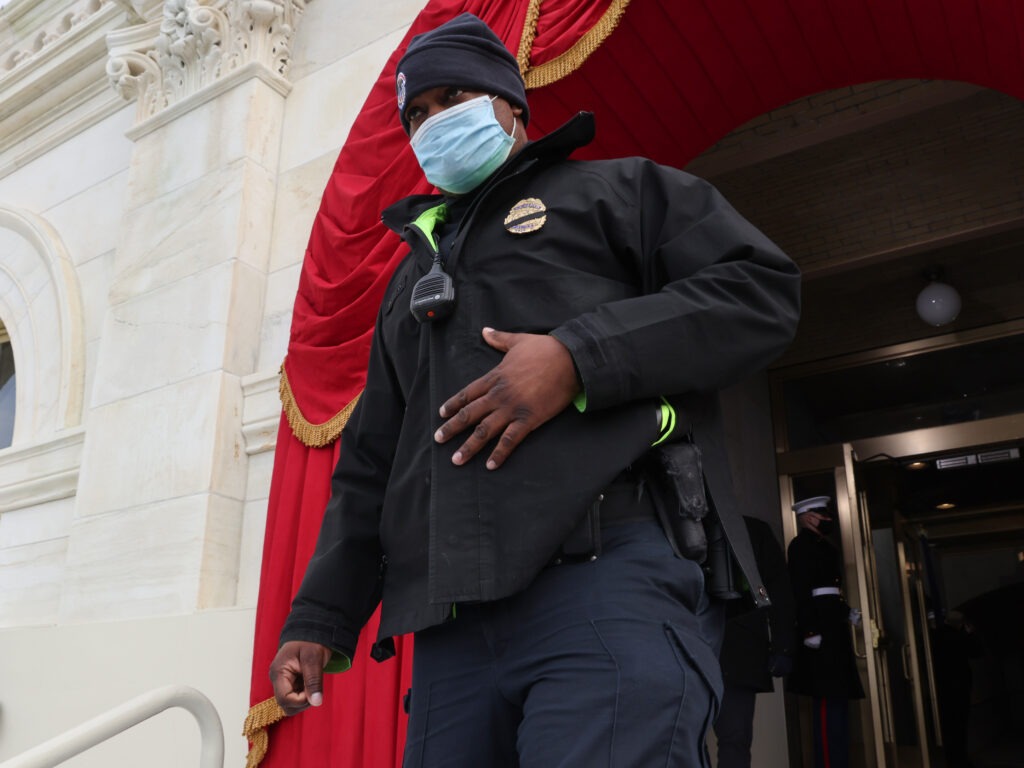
(688, 514)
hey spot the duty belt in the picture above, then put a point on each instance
(624, 501)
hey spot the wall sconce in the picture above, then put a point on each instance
(938, 303)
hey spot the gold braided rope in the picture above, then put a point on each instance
(308, 433)
(261, 716)
(566, 63)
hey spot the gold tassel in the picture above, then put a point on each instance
(261, 716)
(572, 59)
(529, 35)
(309, 434)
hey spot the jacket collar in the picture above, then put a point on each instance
(577, 132)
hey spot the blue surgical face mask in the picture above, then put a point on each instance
(463, 145)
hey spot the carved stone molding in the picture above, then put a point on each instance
(198, 43)
(52, 79)
(41, 472)
(48, 33)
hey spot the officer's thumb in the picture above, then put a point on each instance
(499, 340)
(311, 661)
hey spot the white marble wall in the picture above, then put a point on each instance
(133, 501)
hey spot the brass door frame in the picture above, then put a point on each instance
(855, 528)
(910, 579)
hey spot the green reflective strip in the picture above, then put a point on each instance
(428, 221)
(339, 662)
(580, 401)
(455, 608)
(668, 421)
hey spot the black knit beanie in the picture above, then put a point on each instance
(463, 52)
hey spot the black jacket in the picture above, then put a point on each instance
(753, 637)
(654, 283)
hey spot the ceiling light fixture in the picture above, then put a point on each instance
(938, 303)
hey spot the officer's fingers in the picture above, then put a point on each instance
(454, 404)
(292, 703)
(312, 659)
(461, 419)
(467, 395)
(481, 434)
(286, 678)
(513, 435)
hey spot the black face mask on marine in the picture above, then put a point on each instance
(826, 526)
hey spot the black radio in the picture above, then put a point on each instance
(433, 296)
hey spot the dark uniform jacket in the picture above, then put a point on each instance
(753, 637)
(654, 283)
(829, 671)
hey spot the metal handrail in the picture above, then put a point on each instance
(105, 726)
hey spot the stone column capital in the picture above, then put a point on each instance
(197, 43)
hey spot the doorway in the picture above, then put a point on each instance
(931, 524)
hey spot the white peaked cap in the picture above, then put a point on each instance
(808, 505)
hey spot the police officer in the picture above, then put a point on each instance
(488, 492)
(825, 665)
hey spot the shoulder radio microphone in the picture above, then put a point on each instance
(433, 296)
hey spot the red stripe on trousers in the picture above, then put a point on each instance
(824, 733)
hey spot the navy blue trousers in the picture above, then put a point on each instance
(831, 733)
(612, 662)
(734, 728)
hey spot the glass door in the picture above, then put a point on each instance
(870, 641)
(915, 650)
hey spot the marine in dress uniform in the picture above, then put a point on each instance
(825, 665)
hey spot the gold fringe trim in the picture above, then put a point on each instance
(529, 35)
(261, 716)
(568, 62)
(309, 434)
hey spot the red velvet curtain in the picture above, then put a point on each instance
(679, 75)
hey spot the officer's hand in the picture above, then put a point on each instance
(855, 617)
(297, 674)
(534, 382)
(813, 642)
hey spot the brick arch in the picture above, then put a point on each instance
(677, 75)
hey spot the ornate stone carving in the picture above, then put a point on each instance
(198, 42)
(137, 76)
(53, 31)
